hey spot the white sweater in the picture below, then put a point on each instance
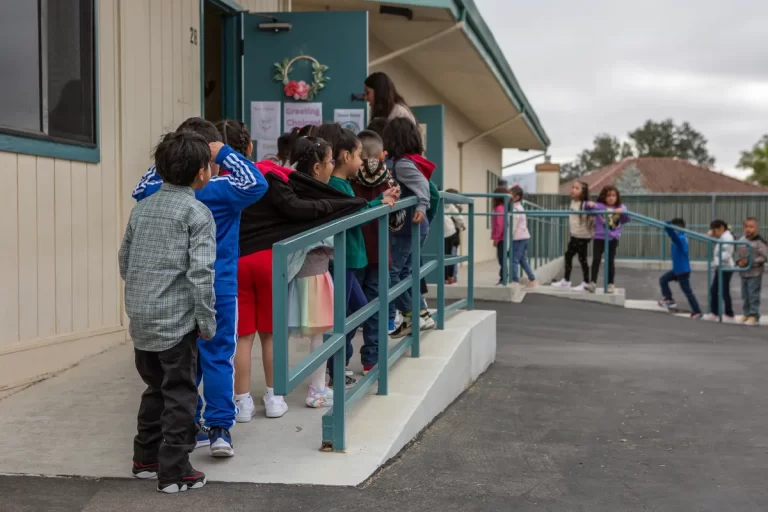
(727, 236)
(451, 221)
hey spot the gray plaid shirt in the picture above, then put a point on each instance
(166, 260)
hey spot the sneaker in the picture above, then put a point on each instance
(366, 369)
(500, 283)
(192, 479)
(348, 372)
(561, 284)
(729, 319)
(275, 405)
(743, 319)
(317, 399)
(751, 321)
(590, 287)
(221, 442)
(667, 303)
(245, 409)
(696, 316)
(532, 284)
(711, 317)
(403, 330)
(348, 382)
(611, 288)
(582, 287)
(201, 439)
(145, 471)
(426, 322)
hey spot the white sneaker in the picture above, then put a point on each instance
(275, 406)
(348, 372)
(711, 317)
(245, 410)
(317, 399)
(590, 287)
(561, 284)
(611, 288)
(581, 288)
(426, 322)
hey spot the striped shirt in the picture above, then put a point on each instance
(166, 260)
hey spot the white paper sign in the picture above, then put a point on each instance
(351, 119)
(423, 131)
(296, 115)
(265, 120)
(266, 149)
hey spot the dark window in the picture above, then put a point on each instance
(47, 62)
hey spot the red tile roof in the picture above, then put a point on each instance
(666, 175)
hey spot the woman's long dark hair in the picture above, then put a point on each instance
(385, 94)
(604, 194)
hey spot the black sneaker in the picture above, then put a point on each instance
(192, 479)
(348, 381)
(145, 471)
(403, 330)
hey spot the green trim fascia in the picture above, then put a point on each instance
(38, 147)
(435, 4)
(228, 5)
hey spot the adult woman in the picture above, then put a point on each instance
(385, 101)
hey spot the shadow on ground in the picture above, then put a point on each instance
(588, 408)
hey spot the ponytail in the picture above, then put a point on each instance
(308, 151)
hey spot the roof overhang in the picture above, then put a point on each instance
(449, 45)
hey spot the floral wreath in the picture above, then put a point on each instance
(301, 90)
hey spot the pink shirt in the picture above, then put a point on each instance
(497, 224)
(521, 223)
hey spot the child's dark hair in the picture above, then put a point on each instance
(308, 151)
(515, 192)
(180, 156)
(377, 125)
(497, 201)
(347, 141)
(718, 224)
(308, 130)
(285, 144)
(402, 137)
(677, 221)
(202, 127)
(236, 135)
(329, 132)
(584, 197)
(604, 194)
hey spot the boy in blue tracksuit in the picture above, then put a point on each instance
(681, 270)
(226, 195)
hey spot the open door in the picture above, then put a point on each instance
(334, 42)
(431, 123)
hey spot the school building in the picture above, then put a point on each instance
(90, 85)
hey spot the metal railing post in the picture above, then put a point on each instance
(509, 257)
(382, 327)
(506, 241)
(719, 282)
(415, 287)
(710, 253)
(471, 255)
(339, 322)
(606, 251)
(441, 266)
(280, 320)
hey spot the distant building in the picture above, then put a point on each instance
(663, 176)
(526, 181)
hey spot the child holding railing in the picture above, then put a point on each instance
(607, 233)
(681, 270)
(521, 238)
(497, 230)
(752, 278)
(582, 229)
(722, 257)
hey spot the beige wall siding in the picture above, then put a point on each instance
(64, 219)
(263, 5)
(479, 157)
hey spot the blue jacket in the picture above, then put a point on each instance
(226, 196)
(680, 261)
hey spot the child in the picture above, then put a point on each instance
(582, 228)
(452, 211)
(372, 180)
(285, 146)
(751, 279)
(412, 171)
(719, 229)
(608, 200)
(167, 262)
(681, 270)
(310, 293)
(240, 185)
(521, 238)
(497, 230)
(347, 153)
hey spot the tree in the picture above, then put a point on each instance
(666, 140)
(631, 181)
(570, 171)
(606, 150)
(756, 160)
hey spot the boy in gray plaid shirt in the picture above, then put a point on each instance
(166, 260)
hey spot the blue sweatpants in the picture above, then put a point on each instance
(215, 367)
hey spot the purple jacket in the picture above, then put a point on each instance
(615, 221)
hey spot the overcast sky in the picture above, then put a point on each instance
(606, 66)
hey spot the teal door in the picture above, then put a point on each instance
(334, 43)
(431, 121)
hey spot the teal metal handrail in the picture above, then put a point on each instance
(286, 379)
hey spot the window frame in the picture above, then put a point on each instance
(41, 144)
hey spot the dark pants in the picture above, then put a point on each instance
(500, 257)
(685, 285)
(368, 278)
(750, 294)
(597, 253)
(713, 294)
(577, 247)
(355, 300)
(400, 270)
(166, 421)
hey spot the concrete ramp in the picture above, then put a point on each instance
(82, 421)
